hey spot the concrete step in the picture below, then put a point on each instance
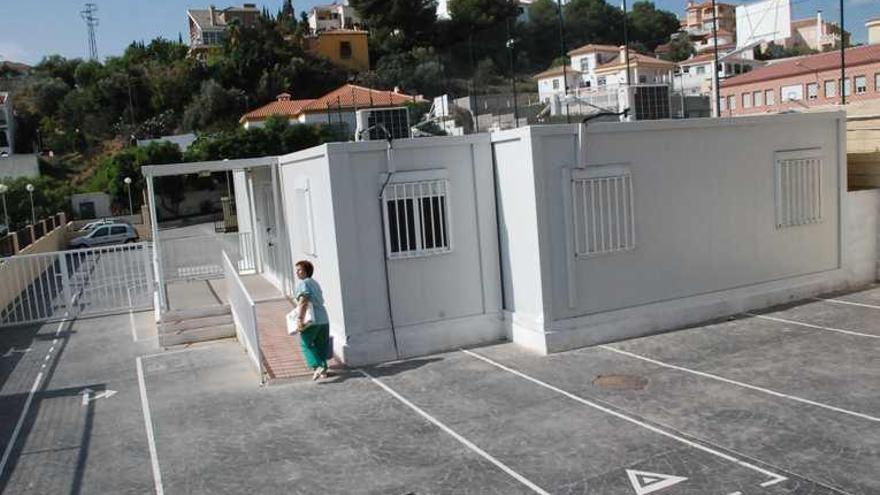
(174, 326)
(187, 314)
(202, 334)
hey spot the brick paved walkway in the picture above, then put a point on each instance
(281, 353)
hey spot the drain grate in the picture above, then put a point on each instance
(620, 382)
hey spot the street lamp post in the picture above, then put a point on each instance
(3, 189)
(127, 181)
(30, 190)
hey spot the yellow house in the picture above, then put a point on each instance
(344, 47)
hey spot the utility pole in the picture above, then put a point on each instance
(842, 58)
(89, 14)
(626, 45)
(510, 46)
(715, 82)
(564, 56)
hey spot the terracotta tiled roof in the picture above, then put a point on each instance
(353, 96)
(555, 71)
(634, 59)
(349, 96)
(592, 48)
(809, 64)
(281, 107)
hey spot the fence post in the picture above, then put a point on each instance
(63, 217)
(65, 284)
(14, 236)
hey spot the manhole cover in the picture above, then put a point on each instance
(620, 382)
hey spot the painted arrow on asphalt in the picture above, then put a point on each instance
(644, 482)
(89, 395)
(16, 351)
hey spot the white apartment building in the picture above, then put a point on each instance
(551, 82)
(333, 16)
(694, 76)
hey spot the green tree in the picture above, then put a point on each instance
(480, 14)
(397, 25)
(651, 26)
(592, 21)
(215, 107)
(50, 197)
(680, 48)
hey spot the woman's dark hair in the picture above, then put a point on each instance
(307, 267)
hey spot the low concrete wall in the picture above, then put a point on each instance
(863, 239)
(19, 273)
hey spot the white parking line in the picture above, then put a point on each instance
(27, 404)
(467, 443)
(810, 325)
(774, 477)
(849, 303)
(741, 384)
(148, 423)
(17, 430)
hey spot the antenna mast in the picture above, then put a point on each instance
(89, 15)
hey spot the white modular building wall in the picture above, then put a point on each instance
(437, 302)
(698, 236)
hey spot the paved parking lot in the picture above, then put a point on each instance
(785, 401)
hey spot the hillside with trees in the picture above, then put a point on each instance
(88, 114)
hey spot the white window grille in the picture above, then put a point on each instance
(303, 224)
(602, 211)
(417, 218)
(798, 188)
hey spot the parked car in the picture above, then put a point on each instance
(3, 229)
(107, 234)
(91, 225)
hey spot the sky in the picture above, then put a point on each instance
(33, 29)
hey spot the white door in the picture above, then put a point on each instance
(268, 232)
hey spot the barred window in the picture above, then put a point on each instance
(416, 218)
(303, 224)
(602, 207)
(798, 188)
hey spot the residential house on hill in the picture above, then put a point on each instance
(339, 106)
(694, 75)
(555, 81)
(813, 33)
(346, 48)
(207, 27)
(586, 59)
(333, 16)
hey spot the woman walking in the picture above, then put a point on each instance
(314, 335)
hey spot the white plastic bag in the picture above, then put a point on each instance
(293, 316)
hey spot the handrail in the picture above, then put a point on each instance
(244, 314)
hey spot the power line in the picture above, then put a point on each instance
(89, 14)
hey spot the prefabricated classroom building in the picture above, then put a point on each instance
(561, 236)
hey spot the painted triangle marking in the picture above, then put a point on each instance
(644, 482)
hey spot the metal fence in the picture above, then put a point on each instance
(200, 257)
(65, 284)
(244, 312)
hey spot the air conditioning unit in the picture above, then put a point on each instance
(373, 123)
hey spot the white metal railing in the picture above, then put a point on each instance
(244, 313)
(43, 287)
(199, 257)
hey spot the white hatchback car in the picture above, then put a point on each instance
(103, 235)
